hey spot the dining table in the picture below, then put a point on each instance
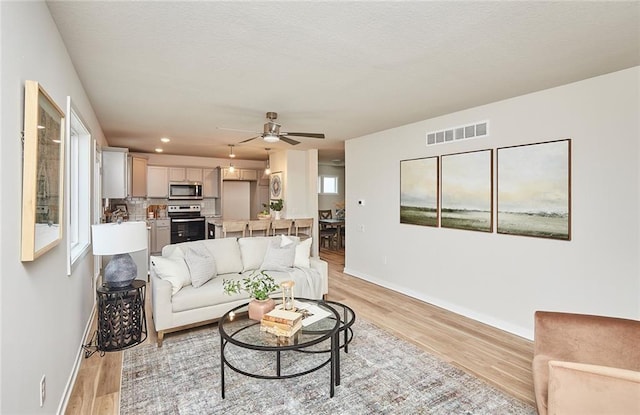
(334, 223)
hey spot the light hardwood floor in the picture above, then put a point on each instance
(499, 358)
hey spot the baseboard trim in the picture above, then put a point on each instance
(454, 308)
(62, 407)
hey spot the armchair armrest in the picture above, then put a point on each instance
(578, 388)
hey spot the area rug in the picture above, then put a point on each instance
(381, 374)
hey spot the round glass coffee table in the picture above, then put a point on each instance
(321, 336)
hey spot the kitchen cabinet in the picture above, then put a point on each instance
(138, 176)
(228, 174)
(114, 172)
(158, 182)
(185, 174)
(239, 174)
(248, 174)
(123, 175)
(210, 188)
(160, 235)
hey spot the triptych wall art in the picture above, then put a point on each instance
(455, 191)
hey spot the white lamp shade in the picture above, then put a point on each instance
(114, 238)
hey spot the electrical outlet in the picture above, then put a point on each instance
(43, 390)
(361, 228)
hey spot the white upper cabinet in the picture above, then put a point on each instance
(185, 174)
(210, 188)
(114, 173)
(157, 182)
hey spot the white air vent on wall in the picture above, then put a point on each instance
(480, 129)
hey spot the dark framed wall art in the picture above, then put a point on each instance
(534, 190)
(419, 191)
(467, 191)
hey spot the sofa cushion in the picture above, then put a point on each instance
(201, 264)
(303, 251)
(172, 269)
(226, 254)
(209, 294)
(278, 257)
(253, 250)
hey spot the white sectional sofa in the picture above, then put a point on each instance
(187, 280)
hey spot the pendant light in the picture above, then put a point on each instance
(231, 155)
(268, 169)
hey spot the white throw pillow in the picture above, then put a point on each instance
(226, 253)
(279, 258)
(172, 269)
(253, 249)
(201, 266)
(303, 251)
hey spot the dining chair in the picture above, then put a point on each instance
(261, 226)
(234, 226)
(303, 228)
(328, 233)
(281, 227)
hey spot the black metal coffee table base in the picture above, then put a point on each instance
(236, 329)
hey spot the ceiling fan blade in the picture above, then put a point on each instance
(312, 135)
(238, 129)
(249, 139)
(289, 140)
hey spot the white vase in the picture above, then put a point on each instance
(276, 215)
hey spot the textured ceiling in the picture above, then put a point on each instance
(185, 69)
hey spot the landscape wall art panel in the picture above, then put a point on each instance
(419, 191)
(467, 191)
(534, 190)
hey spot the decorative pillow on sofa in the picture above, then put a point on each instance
(253, 249)
(303, 251)
(226, 254)
(278, 257)
(172, 269)
(201, 266)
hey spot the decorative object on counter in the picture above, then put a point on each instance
(42, 174)
(288, 302)
(119, 239)
(264, 214)
(258, 285)
(276, 206)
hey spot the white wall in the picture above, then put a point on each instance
(501, 279)
(43, 312)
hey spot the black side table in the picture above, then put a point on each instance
(122, 321)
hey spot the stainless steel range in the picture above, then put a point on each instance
(187, 224)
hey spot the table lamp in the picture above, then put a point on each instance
(119, 239)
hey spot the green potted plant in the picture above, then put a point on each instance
(276, 205)
(259, 286)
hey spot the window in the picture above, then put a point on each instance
(328, 185)
(79, 158)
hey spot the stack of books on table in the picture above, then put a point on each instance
(281, 322)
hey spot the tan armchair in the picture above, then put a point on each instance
(585, 364)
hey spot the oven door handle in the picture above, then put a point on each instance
(188, 220)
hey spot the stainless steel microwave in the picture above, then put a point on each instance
(185, 190)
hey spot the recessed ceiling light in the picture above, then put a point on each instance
(159, 150)
(165, 139)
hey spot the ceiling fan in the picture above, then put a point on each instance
(272, 133)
